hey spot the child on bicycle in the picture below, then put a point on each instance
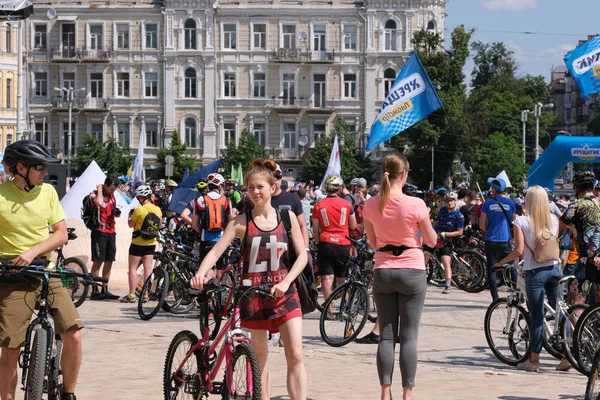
(266, 260)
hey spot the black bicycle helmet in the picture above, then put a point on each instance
(28, 152)
(584, 178)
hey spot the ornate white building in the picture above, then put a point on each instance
(210, 69)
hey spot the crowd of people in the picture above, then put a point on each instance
(403, 225)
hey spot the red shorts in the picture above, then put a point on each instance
(272, 325)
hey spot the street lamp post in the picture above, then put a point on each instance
(524, 121)
(68, 96)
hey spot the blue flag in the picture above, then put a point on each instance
(411, 98)
(186, 174)
(583, 64)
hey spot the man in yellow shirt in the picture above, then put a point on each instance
(146, 222)
(28, 206)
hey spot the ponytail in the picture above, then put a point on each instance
(394, 165)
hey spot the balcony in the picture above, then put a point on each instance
(75, 55)
(297, 56)
(288, 154)
(95, 55)
(81, 103)
(288, 103)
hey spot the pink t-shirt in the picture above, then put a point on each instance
(397, 226)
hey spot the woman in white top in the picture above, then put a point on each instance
(540, 278)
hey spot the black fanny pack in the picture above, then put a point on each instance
(395, 250)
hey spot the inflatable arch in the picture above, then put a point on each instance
(563, 150)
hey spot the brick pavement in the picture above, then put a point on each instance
(124, 357)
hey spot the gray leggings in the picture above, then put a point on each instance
(399, 295)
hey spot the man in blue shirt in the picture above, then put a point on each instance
(450, 224)
(497, 215)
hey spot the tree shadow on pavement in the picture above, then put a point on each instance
(522, 398)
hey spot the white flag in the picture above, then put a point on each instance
(139, 161)
(502, 175)
(334, 167)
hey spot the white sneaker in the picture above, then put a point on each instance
(274, 341)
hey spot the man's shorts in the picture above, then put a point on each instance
(104, 246)
(272, 325)
(141, 251)
(333, 259)
(17, 302)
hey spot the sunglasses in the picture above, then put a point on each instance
(278, 176)
(40, 166)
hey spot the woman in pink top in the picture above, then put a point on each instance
(392, 221)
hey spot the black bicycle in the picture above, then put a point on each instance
(40, 358)
(77, 287)
(593, 386)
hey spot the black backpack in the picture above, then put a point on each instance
(305, 282)
(150, 227)
(163, 200)
(90, 214)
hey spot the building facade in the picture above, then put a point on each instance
(8, 83)
(209, 70)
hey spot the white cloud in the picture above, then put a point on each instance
(558, 51)
(509, 5)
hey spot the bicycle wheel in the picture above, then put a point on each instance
(587, 338)
(153, 293)
(34, 386)
(182, 381)
(468, 270)
(210, 315)
(435, 271)
(567, 330)
(78, 290)
(592, 391)
(367, 276)
(507, 334)
(178, 301)
(344, 314)
(245, 375)
(55, 379)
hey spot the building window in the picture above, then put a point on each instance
(289, 36)
(390, 35)
(151, 84)
(229, 36)
(190, 83)
(96, 42)
(66, 138)
(189, 30)
(260, 133)
(41, 84)
(9, 97)
(389, 77)
(289, 136)
(9, 47)
(68, 81)
(9, 138)
(319, 90)
(350, 85)
(97, 131)
(151, 36)
(151, 135)
(259, 85)
(319, 37)
(289, 88)
(318, 131)
(229, 132)
(40, 38)
(260, 37)
(123, 134)
(122, 36)
(41, 133)
(97, 87)
(431, 27)
(350, 37)
(229, 84)
(190, 132)
(123, 84)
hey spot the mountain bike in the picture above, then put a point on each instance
(77, 287)
(593, 385)
(587, 338)
(192, 364)
(40, 359)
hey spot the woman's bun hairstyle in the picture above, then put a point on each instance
(268, 164)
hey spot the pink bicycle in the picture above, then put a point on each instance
(192, 365)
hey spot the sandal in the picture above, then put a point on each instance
(129, 299)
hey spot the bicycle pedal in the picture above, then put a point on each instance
(218, 387)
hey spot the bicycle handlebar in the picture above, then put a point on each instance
(37, 270)
(216, 285)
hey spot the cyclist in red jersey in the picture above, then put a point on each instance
(333, 218)
(266, 260)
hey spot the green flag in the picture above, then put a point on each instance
(240, 175)
(233, 173)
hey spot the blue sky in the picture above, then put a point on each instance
(557, 25)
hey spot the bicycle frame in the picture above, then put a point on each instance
(561, 310)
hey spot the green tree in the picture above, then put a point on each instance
(247, 150)
(110, 156)
(182, 160)
(493, 61)
(427, 42)
(352, 164)
(500, 152)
